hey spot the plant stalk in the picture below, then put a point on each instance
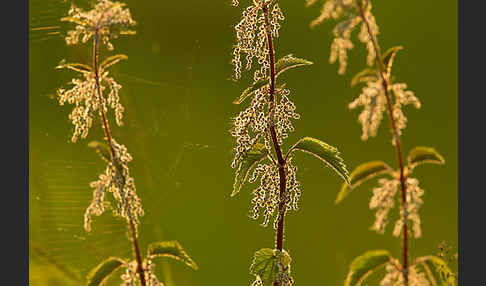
(398, 144)
(106, 128)
(280, 159)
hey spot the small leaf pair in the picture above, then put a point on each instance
(369, 170)
(172, 249)
(436, 269)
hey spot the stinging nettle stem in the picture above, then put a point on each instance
(106, 128)
(276, 146)
(396, 138)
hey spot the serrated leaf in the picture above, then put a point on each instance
(420, 155)
(100, 273)
(289, 62)
(361, 174)
(365, 75)
(364, 265)
(265, 264)
(257, 154)
(112, 60)
(102, 149)
(171, 249)
(437, 270)
(325, 152)
(283, 64)
(389, 56)
(82, 68)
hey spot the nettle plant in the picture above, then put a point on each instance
(96, 93)
(382, 93)
(260, 131)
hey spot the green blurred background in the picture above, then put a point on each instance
(177, 95)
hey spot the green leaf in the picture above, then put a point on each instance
(361, 174)
(75, 67)
(327, 153)
(362, 266)
(284, 64)
(265, 264)
(420, 155)
(102, 149)
(112, 60)
(171, 249)
(388, 57)
(257, 154)
(289, 62)
(437, 270)
(100, 273)
(365, 75)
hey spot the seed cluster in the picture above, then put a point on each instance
(394, 277)
(383, 200)
(251, 38)
(373, 100)
(116, 180)
(108, 19)
(348, 12)
(83, 94)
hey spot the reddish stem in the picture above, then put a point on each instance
(106, 128)
(280, 159)
(396, 138)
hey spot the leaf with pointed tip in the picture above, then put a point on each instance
(325, 152)
(75, 67)
(171, 249)
(100, 273)
(365, 264)
(389, 56)
(361, 174)
(437, 270)
(365, 75)
(421, 154)
(265, 264)
(102, 149)
(257, 154)
(74, 20)
(282, 65)
(289, 62)
(112, 60)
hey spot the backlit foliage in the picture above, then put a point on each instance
(251, 37)
(94, 94)
(346, 12)
(260, 131)
(380, 94)
(107, 19)
(83, 94)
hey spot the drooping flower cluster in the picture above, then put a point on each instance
(252, 124)
(108, 19)
(373, 100)
(84, 95)
(251, 37)
(116, 180)
(394, 277)
(130, 277)
(347, 10)
(383, 200)
(267, 195)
